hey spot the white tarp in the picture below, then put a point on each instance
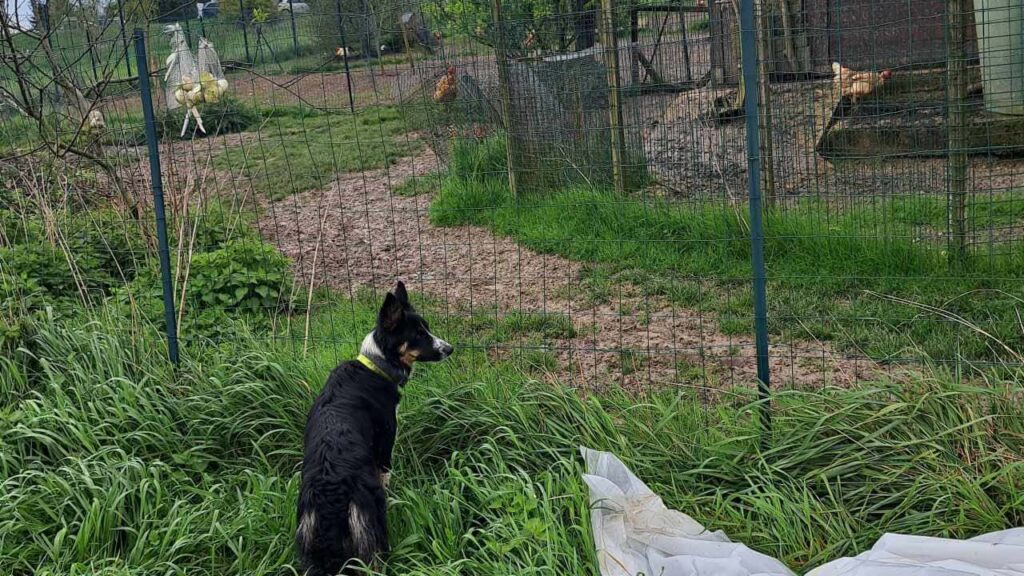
(636, 534)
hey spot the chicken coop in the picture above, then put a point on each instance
(805, 37)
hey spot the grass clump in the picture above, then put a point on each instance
(418, 185)
(115, 460)
(299, 151)
(548, 326)
(227, 116)
(702, 24)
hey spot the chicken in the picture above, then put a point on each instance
(530, 41)
(447, 87)
(340, 53)
(96, 120)
(857, 85)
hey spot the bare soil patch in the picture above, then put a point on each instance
(356, 233)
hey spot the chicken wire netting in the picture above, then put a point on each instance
(567, 188)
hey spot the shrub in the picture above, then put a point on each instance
(227, 116)
(17, 230)
(115, 242)
(479, 159)
(243, 276)
(215, 227)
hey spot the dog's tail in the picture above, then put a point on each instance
(368, 530)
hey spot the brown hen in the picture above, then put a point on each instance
(857, 85)
(446, 89)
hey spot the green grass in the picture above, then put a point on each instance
(983, 210)
(114, 463)
(418, 185)
(545, 325)
(699, 25)
(297, 151)
(825, 269)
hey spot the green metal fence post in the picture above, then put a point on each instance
(124, 39)
(344, 57)
(295, 31)
(748, 41)
(158, 195)
(245, 31)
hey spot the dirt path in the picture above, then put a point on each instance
(356, 233)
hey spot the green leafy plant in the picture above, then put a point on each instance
(226, 116)
(242, 276)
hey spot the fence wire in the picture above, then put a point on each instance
(568, 188)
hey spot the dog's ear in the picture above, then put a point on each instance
(401, 294)
(391, 313)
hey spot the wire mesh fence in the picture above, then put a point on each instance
(570, 187)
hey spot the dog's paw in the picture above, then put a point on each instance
(385, 479)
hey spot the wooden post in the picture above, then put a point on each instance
(956, 166)
(611, 61)
(511, 134)
(634, 45)
(765, 93)
(408, 49)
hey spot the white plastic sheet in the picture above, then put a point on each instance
(635, 533)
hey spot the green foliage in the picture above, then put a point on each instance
(136, 12)
(226, 116)
(700, 25)
(480, 160)
(237, 282)
(98, 252)
(16, 229)
(833, 281)
(418, 185)
(485, 161)
(215, 226)
(308, 149)
(367, 24)
(229, 8)
(549, 20)
(242, 276)
(115, 463)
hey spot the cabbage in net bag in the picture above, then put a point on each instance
(181, 79)
(211, 76)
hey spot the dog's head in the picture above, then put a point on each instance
(403, 335)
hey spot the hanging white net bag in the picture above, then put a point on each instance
(182, 71)
(211, 76)
(191, 83)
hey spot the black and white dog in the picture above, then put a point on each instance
(350, 434)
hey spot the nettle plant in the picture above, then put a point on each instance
(242, 276)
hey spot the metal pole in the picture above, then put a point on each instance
(92, 56)
(686, 43)
(124, 38)
(344, 57)
(748, 41)
(245, 31)
(295, 31)
(158, 195)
